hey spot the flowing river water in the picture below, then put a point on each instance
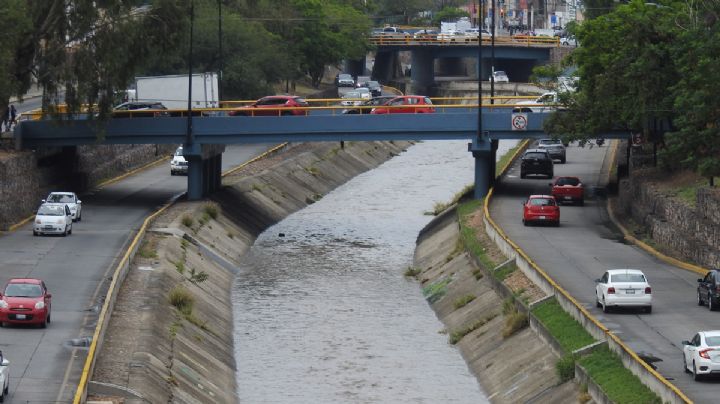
(324, 313)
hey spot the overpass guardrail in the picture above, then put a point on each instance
(463, 40)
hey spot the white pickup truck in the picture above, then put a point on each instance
(544, 103)
(4, 377)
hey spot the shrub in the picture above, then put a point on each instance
(456, 336)
(478, 274)
(180, 266)
(514, 322)
(187, 220)
(147, 251)
(211, 210)
(182, 300)
(565, 367)
(463, 301)
(412, 271)
(434, 292)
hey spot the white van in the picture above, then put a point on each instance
(178, 164)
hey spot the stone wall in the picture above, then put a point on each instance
(27, 176)
(692, 234)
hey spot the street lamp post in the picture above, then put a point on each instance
(220, 52)
(188, 135)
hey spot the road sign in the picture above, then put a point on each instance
(519, 121)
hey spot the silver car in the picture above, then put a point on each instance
(555, 148)
(68, 198)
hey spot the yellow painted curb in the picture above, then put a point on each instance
(581, 308)
(84, 377)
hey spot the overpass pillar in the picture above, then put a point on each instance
(204, 169)
(422, 71)
(482, 151)
(383, 67)
(355, 67)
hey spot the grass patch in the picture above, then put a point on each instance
(688, 193)
(434, 292)
(230, 235)
(568, 332)
(312, 171)
(514, 320)
(211, 210)
(440, 207)
(182, 300)
(565, 368)
(469, 234)
(180, 266)
(256, 187)
(456, 251)
(478, 274)
(187, 220)
(456, 336)
(621, 386)
(412, 271)
(505, 271)
(463, 301)
(147, 250)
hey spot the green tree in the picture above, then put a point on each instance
(448, 14)
(403, 11)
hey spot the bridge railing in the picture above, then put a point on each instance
(463, 40)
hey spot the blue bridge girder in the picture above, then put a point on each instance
(456, 124)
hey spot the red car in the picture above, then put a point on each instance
(274, 105)
(568, 189)
(541, 209)
(25, 301)
(406, 104)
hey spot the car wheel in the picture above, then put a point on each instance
(522, 175)
(49, 319)
(2, 396)
(80, 217)
(70, 230)
(648, 309)
(711, 306)
(581, 202)
(605, 307)
(44, 324)
(524, 222)
(597, 303)
(557, 224)
(562, 161)
(35, 233)
(696, 376)
(685, 369)
(65, 233)
(700, 301)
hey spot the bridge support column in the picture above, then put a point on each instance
(484, 155)
(383, 68)
(204, 169)
(355, 67)
(422, 71)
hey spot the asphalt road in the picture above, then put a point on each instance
(45, 367)
(585, 245)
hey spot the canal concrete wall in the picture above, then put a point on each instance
(158, 347)
(516, 368)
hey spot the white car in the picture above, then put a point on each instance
(67, 198)
(543, 103)
(355, 97)
(623, 288)
(500, 77)
(178, 164)
(53, 218)
(701, 355)
(4, 377)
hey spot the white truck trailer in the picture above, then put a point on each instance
(172, 91)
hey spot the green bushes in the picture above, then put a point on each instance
(463, 301)
(182, 300)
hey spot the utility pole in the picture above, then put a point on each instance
(188, 135)
(492, 53)
(220, 52)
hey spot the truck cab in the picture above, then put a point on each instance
(544, 103)
(178, 164)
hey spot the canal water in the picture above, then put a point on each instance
(324, 313)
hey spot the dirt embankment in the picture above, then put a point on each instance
(509, 359)
(170, 338)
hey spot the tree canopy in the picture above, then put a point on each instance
(641, 65)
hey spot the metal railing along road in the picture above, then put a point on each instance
(325, 106)
(463, 40)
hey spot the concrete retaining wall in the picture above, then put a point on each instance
(692, 234)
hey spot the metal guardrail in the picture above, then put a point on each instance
(462, 40)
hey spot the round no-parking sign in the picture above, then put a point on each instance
(519, 121)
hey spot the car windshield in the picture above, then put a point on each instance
(568, 181)
(499, 73)
(178, 152)
(627, 278)
(23, 290)
(542, 202)
(60, 198)
(352, 94)
(51, 210)
(345, 77)
(535, 155)
(712, 341)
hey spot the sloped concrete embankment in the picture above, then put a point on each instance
(170, 335)
(516, 368)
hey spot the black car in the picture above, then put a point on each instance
(374, 87)
(536, 161)
(708, 290)
(373, 102)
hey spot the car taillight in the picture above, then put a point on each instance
(648, 290)
(611, 291)
(704, 353)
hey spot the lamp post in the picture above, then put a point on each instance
(220, 52)
(188, 135)
(492, 53)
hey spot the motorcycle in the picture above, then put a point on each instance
(599, 141)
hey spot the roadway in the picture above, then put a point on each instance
(585, 245)
(45, 367)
